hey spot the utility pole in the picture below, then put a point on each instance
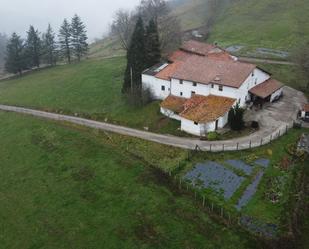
(131, 73)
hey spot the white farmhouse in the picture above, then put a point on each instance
(201, 82)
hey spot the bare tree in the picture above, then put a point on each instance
(123, 26)
(157, 10)
(168, 25)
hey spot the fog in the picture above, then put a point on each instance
(17, 15)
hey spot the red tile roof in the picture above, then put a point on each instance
(199, 48)
(204, 109)
(174, 103)
(179, 55)
(201, 109)
(266, 88)
(167, 72)
(208, 70)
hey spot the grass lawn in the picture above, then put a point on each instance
(63, 186)
(287, 74)
(277, 24)
(91, 89)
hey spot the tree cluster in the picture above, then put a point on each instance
(236, 118)
(157, 10)
(36, 49)
(143, 52)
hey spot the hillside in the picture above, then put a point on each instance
(277, 24)
(265, 28)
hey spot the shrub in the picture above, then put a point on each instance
(212, 136)
(236, 118)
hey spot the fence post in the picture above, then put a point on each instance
(237, 146)
(223, 147)
(250, 144)
(261, 141)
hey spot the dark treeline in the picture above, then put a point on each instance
(37, 48)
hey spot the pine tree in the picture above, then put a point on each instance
(79, 37)
(49, 46)
(153, 53)
(33, 47)
(15, 60)
(65, 42)
(136, 62)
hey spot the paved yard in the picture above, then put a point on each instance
(274, 121)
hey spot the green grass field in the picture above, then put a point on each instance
(67, 187)
(91, 89)
(278, 24)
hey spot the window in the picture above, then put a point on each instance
(220, 88)
(181, 93)
(180, 82)
(163, 88)
(252, 74)
(192, 93)
(194, 84)
(196, 123)
(212, 85)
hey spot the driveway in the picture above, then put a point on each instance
(274, 119)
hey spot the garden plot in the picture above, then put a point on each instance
(262, 162)
(240, 165)
(215, 176)
(250, 191)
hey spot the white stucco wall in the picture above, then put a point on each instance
(202, 129)
(187, 87)
(189, 127)
(276, 94)
(241, 94)
(170, 114)
(253, 80)
(155, 85)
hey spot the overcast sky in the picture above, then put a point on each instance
(17, 15)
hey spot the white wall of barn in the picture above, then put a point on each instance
(191, 128)
(276, 95)
(255, 78)
(202, 129)
(155, 85)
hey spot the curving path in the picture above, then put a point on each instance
(275, 120)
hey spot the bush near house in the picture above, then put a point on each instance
(236, 118)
